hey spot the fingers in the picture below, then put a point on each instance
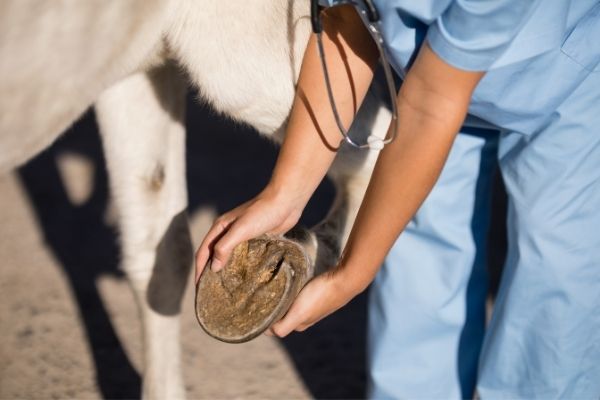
(237, 233)
(308, 308)
(227, 232)
(291, 322)
(250, 220)
(217, 230)
(269, 332)
(318, 299)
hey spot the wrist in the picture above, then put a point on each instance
(293, 197)
(348, 281)
(283, 203)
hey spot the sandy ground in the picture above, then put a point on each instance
(68, 322)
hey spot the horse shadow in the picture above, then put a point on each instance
(86, 248)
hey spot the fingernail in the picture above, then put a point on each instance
(215, 266)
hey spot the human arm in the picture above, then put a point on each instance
(432, 105)
(311, 141)
(433, 101)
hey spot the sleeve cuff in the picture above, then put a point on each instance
(457, 56)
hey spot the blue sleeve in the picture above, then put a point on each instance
(473, 34)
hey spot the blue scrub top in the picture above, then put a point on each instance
(536, 53)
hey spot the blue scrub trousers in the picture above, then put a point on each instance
(427, 336)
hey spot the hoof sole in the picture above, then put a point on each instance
(254, 290)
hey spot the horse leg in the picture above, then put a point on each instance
(142, 125)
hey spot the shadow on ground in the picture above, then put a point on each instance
(86, 248)
(226, 165)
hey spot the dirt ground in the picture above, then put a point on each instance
(68, 322)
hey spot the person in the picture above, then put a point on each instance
(530, 71)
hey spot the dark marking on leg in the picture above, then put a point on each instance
(157, 178)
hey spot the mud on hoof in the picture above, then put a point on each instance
(255, 288)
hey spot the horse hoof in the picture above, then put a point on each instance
(254, 290)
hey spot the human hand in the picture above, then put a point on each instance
(320, 297)
(270, 212)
